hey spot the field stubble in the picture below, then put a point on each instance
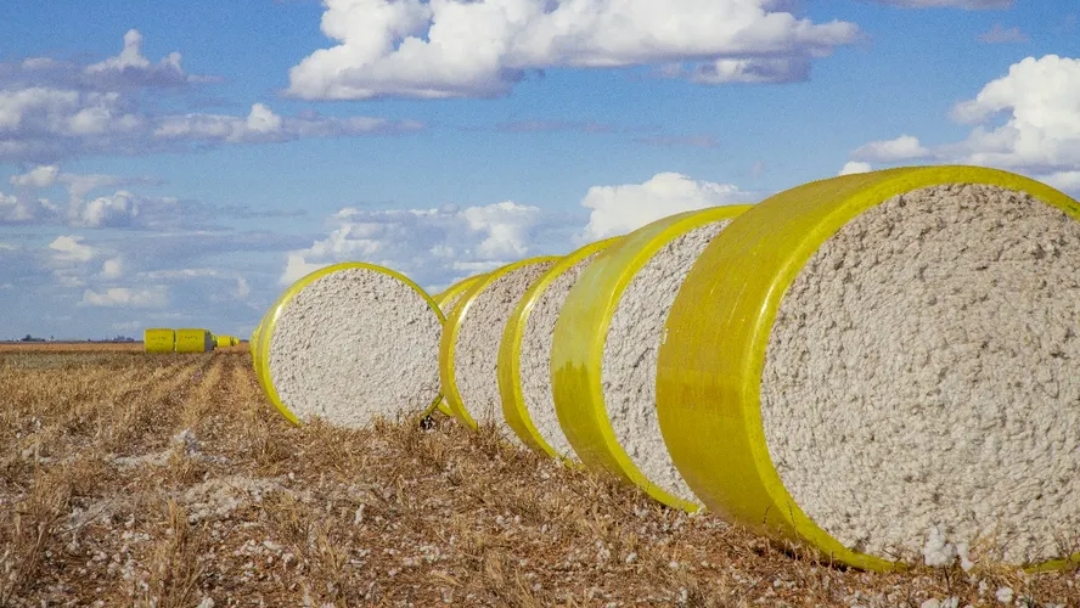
(167, 480)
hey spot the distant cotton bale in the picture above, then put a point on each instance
(886, 366)
(469, 350)
(225, 341)
(605, 344)
(191, 340)
(159, 340)
(351, 343)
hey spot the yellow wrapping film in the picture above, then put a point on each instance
(159, 340)
(452, 327)
(253, 340)
(513, 399)
(192, 340)
(266, 335)
(444, 299)
(256, 341)
(577, 351)
(711, 361)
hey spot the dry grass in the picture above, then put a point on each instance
(164, 480)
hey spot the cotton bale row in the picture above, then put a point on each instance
(350, 343)
(886, 367)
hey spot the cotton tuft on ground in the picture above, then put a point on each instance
(168, 480)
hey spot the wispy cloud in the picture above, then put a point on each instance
(1001, 35)
(53, 110)
(680, 141)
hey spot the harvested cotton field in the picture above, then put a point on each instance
(469, 349)
(169, 480)
(919, 387)
(350, 343)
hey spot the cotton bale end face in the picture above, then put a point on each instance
(885, 367)
(603, 357)
(469, 350)
(351, 343)
(194, 340)
(525, 354)
(159, 340)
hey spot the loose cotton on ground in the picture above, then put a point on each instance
(352, 343)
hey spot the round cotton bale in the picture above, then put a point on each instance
(159, 340)
(351, 343)
(525, 355)
(603, 356)
(469, 350)
(446, 300)
(886, 366)
(194, 340)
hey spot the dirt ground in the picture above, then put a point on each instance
(129, 479)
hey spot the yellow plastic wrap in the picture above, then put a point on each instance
(159, 340)
(580, 334)
(192, 340)
(265, 337)
(710, 365)
(510, 389)
(446, 301)
(448, 297)
(253, 340)
(452, 327)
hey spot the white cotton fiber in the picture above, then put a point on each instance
(631, 350)
(476, 352)
(354, 345)
(921, 391)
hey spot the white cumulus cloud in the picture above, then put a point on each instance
(479, 48)
(41, 176)
(905, 147)
(621, 209)
(437, 246)
(425, 244)
(851, 167)
(1027, 121)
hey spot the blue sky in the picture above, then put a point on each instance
(179, 163)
